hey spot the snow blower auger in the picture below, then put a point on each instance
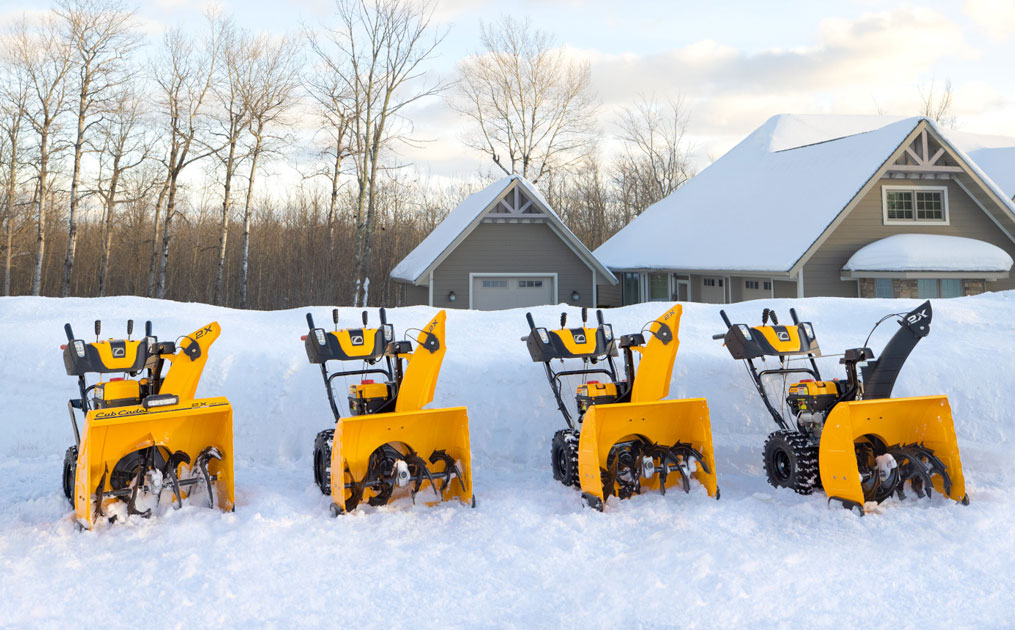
(849, 436)
(145, 437)
(625, 438)
(388, 446)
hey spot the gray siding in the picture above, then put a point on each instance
(411, 295)
(609, 295)
(784, 289)
(511, 248)
(865, 225)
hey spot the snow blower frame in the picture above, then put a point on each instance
(144, 433)
(625, 438)
(376, 450)
(849, 436)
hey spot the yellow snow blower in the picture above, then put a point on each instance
(850, 437)
(145, 435)
(377, 452)
(625, 438)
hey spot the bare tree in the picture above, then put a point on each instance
(184, 79)
(124, 149)
(99, 34)
(14, 97)
(938, 105)
(269, 92)
(43, 55)
(236, 52)
(383, 44)
(655, 147)
(532, 106)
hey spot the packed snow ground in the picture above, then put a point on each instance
(529, 555)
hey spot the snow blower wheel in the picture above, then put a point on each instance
(564, 457)
(322, 460)
(791, 462)
(70, 466)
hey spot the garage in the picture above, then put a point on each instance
(495, 292)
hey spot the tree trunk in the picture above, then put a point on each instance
(160, 289)
(40, 247)
(11, 190)
(246, 217)
(107, 235)
(224, 229)
(155, 239)
(72, 228)
(333, 206)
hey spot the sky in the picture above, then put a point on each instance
(734, 63)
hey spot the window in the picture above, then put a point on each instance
(951, 287)
(658, 286)
(926, 288)
(883, 288)
(631, 287)
(709, 282)
(751, 284)
(934, 288)
(529, 283)
(908, 205)
(768, 286)
(494, 284)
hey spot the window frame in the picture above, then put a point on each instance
(915, 220)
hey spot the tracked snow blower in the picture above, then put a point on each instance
(145, 436)
(624, 438)
(849, 436)
(377, 453)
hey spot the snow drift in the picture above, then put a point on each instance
(529, 555)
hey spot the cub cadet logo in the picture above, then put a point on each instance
(201, 333)
(579, 338)
(119, 353)
(357, 340)
(917, 317)
(782, 335)
(123, 413)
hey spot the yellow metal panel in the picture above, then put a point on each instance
(105, 350)
(191, 426)
(923, 420)
(185, 373)
(424, 431)
(420, 378)
(656, 365)
(368, 341)
(664, 422)
(585, 345)
(789, 343)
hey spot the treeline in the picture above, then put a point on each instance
(145, 170)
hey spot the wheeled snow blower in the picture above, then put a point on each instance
(145, 436)
(388, 446)
(849, 436)
(625, 438)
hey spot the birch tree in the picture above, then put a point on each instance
(656, 150)
(14, 97)
(99, 35)
(42, 54)
(532, 107)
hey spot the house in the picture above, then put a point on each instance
(829, 206)
(502, 247)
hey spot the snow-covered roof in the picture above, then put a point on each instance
(929, 252)
(467, 215)
(765, 202)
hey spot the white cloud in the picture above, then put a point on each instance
(997, 17)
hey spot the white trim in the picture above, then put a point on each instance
(800, 283)
(972, 275)
(595, 298)
(771, 286)
(430, 288)
(914, 221)
(523, 274)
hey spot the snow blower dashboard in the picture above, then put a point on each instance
(745, 342)
(103, 357)
(352, 344)
(571, 343)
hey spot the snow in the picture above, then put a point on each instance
(791, 176)
(929, 252)
(529, 555)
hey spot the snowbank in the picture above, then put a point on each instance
(529, 555)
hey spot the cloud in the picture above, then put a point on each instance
(997, 17)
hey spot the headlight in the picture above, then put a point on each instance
(79, 347)
(808, 330)
(545, 338)
(608, 331)
(319, 333)
(389, 332)
(745, 331)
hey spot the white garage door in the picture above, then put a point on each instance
(491, 293)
